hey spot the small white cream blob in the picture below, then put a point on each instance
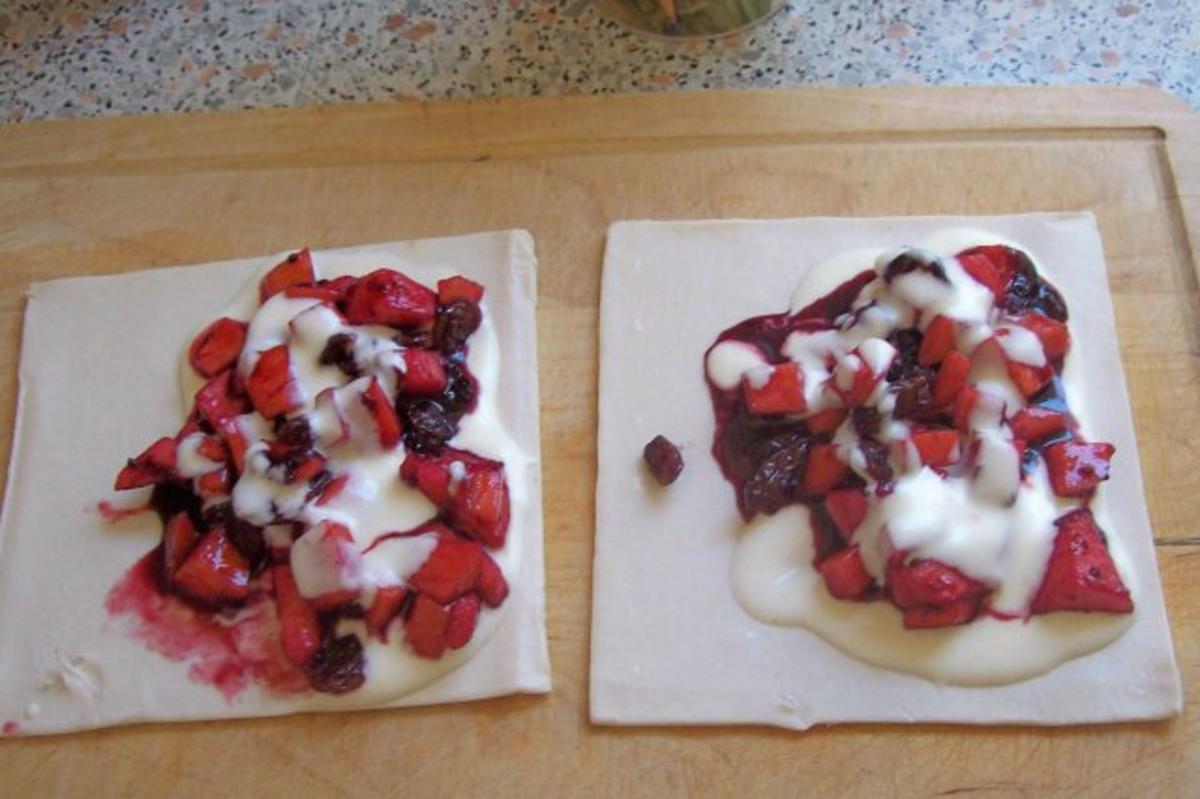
(729, 360)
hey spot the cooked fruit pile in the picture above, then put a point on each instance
(925, 381)
(257, 490)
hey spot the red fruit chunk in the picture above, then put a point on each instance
(450, 571)
(335, 532)
(826, 421)
(992, 265)
(218, 400)
(387, 297)
(215, 573)
(862, 384)
(927, 582)
(235, 442)
(937, 447)
(476, 501)
(214, 484)
(154, 465)
(1076, 467)
(271, 387)
(179, 538)
(964, 405)
(937, 342)
(1029, 380)
(295, 269)
(423, 375)
(480, 508)
(307, 469)
(845, 575)
(951, 378)
(960, 612)
(313, 292)
(213, 448)
(824, 470)
(1080, 574)
(1033, 424)
(430, 477)
(388, 602)
(217, 347)
(387, 424)
(847, 507)
(492, 586)
(425, 628)
(663, 459)
(332, 489)
(299, 628)
(782, 391)
(330, 291)
(460, 625)
(458, 288)
(1055, 337)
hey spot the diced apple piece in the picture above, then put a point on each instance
(217, 347)
(774, 389)
(271, 387)
(297, 268)
(1077, 467)
(845, 575)
(937, 448)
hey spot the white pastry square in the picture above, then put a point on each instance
(98, 380)
(670, 642)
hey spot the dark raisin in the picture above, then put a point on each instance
(461, 389)
(866, 421)
(416, 339)
(777, 480)
(338, 666)
(1051, 303)
(339, 352)
(294, 432)
(317, 484)
(914, 393)
(876, 454)
(664, 460)
(1022, 290)
(427, 426)
(912, 262)
(826, 538)
(176, 496)
(218, 515)
(455, 323)
(247, 538)
(907, 343)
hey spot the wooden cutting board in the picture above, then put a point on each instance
(82, 197)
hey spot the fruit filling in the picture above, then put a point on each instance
(918, 412)
(315, 473)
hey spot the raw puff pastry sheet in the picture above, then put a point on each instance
(98, 381)
(670, 644)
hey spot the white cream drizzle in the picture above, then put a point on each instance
(995, 528)
(374, 501)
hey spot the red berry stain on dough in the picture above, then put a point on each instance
(227, 652)
(112, 514)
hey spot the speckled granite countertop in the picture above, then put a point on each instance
(64, 58)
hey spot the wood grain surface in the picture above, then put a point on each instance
(112, 195)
